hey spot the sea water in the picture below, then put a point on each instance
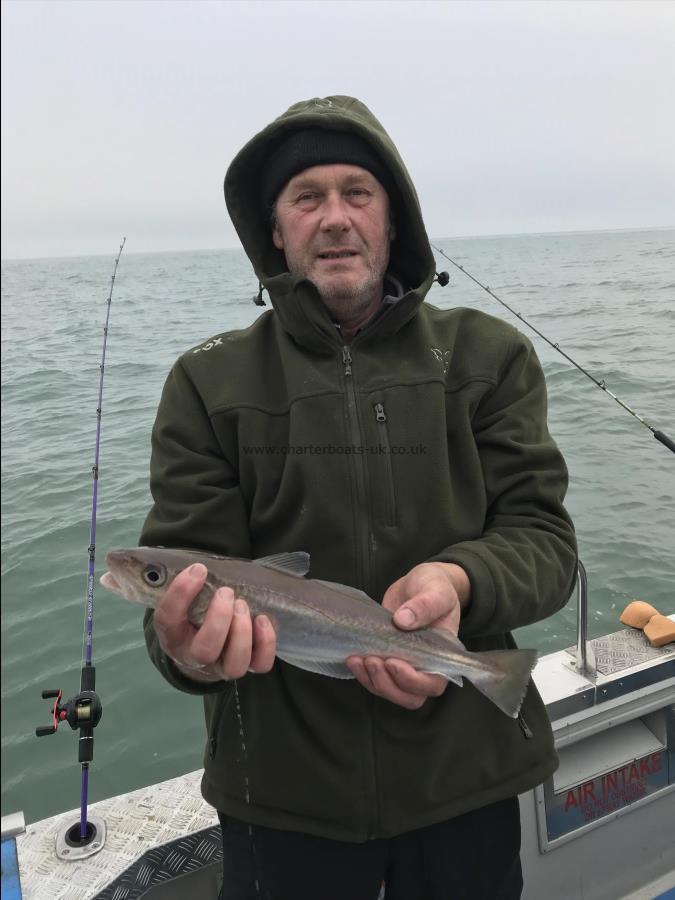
(608, 299)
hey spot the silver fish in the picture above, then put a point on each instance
(319, 624)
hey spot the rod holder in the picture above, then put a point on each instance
(71, 848)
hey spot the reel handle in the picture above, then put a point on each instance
(44, 730)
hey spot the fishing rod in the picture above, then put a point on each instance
(659, 435)
(84, 710)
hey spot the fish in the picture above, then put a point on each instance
(319, 624)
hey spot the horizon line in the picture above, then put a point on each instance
(458, 237)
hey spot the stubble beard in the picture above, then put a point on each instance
(347, 304)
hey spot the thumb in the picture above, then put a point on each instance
(406, 617)
(394, 596)
(424, 608)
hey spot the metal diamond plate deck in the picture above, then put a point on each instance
(160, 865)
(623, 650)
(137, 822)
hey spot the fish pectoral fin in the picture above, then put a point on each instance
(319, 666)
(346, 589)
(296, 563)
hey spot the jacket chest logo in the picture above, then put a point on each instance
(216, 342)
(442, 357)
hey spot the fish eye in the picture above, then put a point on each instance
(154, 575)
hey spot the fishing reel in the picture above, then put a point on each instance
(82, 711)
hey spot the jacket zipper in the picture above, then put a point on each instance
(372, 826)
(359, 466)
(390, 496)
(347, 360)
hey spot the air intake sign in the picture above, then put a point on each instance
(585, 802)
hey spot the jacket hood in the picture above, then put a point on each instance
(411, 258)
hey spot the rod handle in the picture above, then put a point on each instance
(88, 678)
(665, 440)
(85, 752)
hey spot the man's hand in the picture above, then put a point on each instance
(430, 594)
(228, 643)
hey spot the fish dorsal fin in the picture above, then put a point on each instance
(291, 563)
(346, 589)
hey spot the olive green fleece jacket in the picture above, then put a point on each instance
(425, 439)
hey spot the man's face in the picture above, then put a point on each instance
(332, 222)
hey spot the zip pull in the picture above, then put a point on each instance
(258, 299)
(379, 413)
(524, 727)
(347, 360)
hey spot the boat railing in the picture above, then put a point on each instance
(585, 658)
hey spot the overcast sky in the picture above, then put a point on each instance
(120, 118)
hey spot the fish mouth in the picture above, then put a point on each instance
(110, 583)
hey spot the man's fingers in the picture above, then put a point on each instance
(207, 644)
(237, 656)
(413, 682)
(264, 645)
(357, 666)
(227, 642)
(373, 675)
(170, 619)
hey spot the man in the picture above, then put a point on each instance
(406, 449)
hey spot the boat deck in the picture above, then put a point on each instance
(167, 824)
(587, 833)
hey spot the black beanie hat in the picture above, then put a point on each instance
(317, 147)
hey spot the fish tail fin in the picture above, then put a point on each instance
(505, 679)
